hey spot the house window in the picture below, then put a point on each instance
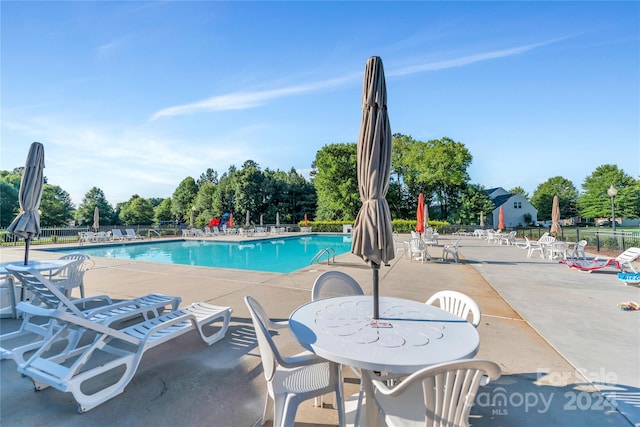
(517, 205)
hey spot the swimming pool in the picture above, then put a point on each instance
(277, 255)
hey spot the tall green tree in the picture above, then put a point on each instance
(334, 175)
(473, 200)
(594, 202)
(137, 210)
(9, 204)
(162, 212)
(183, 199)
(56, 206)
(204, 204)
(519, 190)
(542, 198)
(438, 169)
(224, 197)
(94, 197)
(209, 176)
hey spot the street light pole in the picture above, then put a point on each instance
(612, 192)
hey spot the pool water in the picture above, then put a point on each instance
(277, 255)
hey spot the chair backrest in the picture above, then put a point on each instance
(131, 232)
(629, 255)
(43, 289)
(457, 303)
(117, 233)
(448, 390)
(331, 284)
(268, 351)
(74, 272)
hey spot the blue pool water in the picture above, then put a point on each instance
(277, 255)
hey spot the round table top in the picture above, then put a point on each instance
(411, 335)
(39, 265)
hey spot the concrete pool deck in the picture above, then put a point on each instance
(556, 334)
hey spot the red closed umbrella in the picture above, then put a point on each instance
(420, 214)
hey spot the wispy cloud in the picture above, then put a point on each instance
(467, 60)
(246, 100)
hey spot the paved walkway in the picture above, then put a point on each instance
(556, 334)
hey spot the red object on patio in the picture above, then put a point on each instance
(501, 218)
(306, 222)
(420, 214)
(231, 220)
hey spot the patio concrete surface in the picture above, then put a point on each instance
(556, 333)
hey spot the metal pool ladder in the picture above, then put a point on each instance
(329, 252)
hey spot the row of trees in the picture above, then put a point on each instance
(436, 168)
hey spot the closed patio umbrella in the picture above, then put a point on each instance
(420, 214)
(277, 219)
(230, 220)
(96, 219)
(501, 218)
(426, 216)
(27, 223)
(555, 216)
(372, 233)
(247, 220)
(306, 221)
(261, 220)
(481, 219)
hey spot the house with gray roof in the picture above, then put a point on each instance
(515, 207)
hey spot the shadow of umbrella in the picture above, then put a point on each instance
(27, 223)
(372, 234)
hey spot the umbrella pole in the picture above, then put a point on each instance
(26, 250)
(375, 267)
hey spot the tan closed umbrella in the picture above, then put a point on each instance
(555, 216)
(27, 223)
(96, 219)
(372, 233)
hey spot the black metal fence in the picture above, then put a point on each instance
(598, 237)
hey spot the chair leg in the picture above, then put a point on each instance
(268, 409)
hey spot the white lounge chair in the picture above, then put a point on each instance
(117, 234)
(456, 303)
(291, 380)
(32, 332)
(131, 234)
(114, 354)
(439, 395)
(623, 262)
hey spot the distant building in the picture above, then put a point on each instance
(515, 207)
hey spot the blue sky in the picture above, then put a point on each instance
(132, 97)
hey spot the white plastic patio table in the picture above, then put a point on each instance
(418, 335)
(41, 266)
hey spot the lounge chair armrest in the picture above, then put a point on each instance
(97, 298)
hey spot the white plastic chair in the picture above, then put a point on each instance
(451, 250)
(417, 251)
(457, 303)
(72, 275)
(578, 250)
(439, 395)
(291, 380)
(332, 283)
